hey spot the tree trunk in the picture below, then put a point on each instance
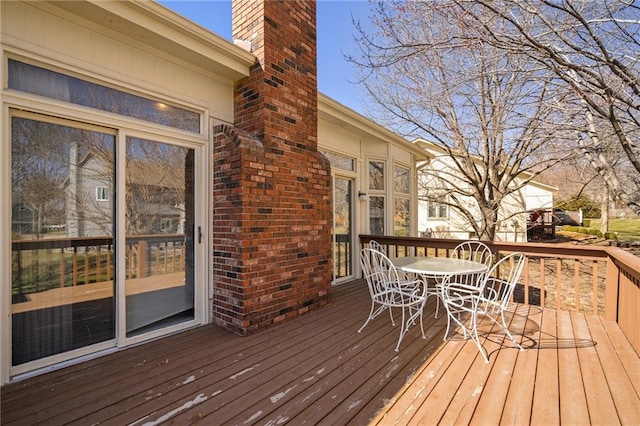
(594, 152)
(604, 213)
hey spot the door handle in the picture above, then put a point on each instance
(199, 234)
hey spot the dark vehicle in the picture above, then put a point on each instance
(562, 217)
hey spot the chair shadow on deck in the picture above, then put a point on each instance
(528, 330)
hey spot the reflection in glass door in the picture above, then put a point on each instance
(159, 235)
(62, 219)
(342, 227)
(64, 285)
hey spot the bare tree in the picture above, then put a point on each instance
(495, 115)
(593, 47)
(37, 173)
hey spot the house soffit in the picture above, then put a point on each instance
(341, 116)
(156, 26)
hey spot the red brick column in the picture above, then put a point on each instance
(272, 189)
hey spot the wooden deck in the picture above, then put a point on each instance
(316, 369)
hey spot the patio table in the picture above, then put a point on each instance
(437, 269)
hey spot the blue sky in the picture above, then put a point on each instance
(335, 33)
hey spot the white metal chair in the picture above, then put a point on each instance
(375, 245)
(476, 251)
(388, 291)
(466, 303)
(473, 250)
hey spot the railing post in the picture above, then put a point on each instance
(612, 290)
(142, 259)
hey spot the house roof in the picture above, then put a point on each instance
(432, 147)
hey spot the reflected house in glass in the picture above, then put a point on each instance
(89, 194)
(23, 219)
(88, 190)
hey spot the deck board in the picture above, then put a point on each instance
(518, 404)
(546, 395)
(600, 404)
(616, 377)
(316, 369)
(573, 403)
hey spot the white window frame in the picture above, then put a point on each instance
(102, 193)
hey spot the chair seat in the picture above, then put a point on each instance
(398, 299)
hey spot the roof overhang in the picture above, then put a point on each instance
(154, 25)
(334, 112)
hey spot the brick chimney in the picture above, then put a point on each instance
(272, 188)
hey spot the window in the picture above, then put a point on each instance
(376, 175)
(438, 209)
(401, 218)
(339, 161)
(376, 215)
(377, 200)
(402, 201)
(43, 82)
(102, 193)
(401, 180)
(166, 224)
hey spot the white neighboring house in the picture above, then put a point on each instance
(440, 220)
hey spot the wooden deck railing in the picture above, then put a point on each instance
(42, 264)
(597, 280)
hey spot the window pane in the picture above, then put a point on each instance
(401, 218)
(401, 179)
(376, 175)
(443, 211)
(376, 215)
(160, 209)
(340, 161)
(62, 277)
(39, 81)
(342, 227)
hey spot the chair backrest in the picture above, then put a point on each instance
(378, 270)
(502, 279)
(476, 251)
(473, 250)
(373, 244)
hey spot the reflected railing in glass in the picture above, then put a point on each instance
(47, 265)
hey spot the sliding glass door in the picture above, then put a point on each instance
(104, 239)
(63, 272)
(159, 235)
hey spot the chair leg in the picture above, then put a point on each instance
(506, 330)
(476, 339)
(411, 319)
(402, 331)
(471, 330)
(368, 318)
(374, 313)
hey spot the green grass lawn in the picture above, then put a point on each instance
(627, 229)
